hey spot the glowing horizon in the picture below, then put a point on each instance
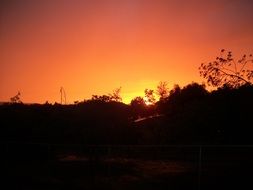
(92, 47)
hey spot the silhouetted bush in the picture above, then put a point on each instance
(189, 115)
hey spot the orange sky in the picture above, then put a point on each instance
(94, 46)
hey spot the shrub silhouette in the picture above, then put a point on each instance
(16, 98)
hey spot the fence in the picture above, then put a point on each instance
(173, 166)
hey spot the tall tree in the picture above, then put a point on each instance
(162, 90)
(149, 97)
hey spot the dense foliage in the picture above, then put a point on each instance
(188, 115)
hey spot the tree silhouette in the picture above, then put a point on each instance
(115, 96)
(175, 93)
(138, 101)
(180, 96)
(16, 98)
(162, 90)
(227, 71)
(138, 106)
(149, 97)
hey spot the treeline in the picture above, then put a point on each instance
(194, 115)
(187, 115)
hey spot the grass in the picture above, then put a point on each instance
(173, 169)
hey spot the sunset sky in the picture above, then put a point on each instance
(94, 46)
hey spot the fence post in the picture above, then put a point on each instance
(108, 164)
(48, 160)
(199, 167)
(6, 156)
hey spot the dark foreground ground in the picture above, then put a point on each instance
(76, 167)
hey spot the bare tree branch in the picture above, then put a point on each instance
(227, 71)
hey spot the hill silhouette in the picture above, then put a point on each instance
(189, 115)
